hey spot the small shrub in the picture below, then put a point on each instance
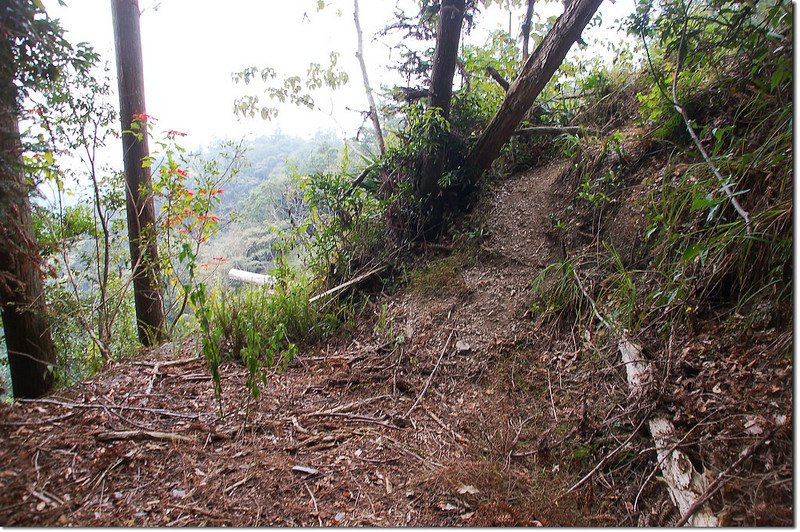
(557, 294)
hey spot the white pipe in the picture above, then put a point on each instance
(249, 277)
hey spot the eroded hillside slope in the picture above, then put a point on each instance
(450, 403)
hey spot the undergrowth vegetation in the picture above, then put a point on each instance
(675, 231)
(336, 235)
(700, 242)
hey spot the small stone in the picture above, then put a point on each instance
(401, 422)
(339, 517)
(178, 494)
(307, 470)
(462, 347)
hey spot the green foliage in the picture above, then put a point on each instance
(728, 62)
(39, 53)
(79, 223)
(342, 229)
(619, 296)
(557, 294)
(293, 89)
(332, 229)
(260, 326)
(729, 53)
(707, 44)
(477, 101)
(187, 189)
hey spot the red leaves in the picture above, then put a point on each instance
(143, 117)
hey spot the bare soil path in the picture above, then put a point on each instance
(439, 410)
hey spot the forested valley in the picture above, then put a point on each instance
(547, 281)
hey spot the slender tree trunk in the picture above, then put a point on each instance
(498, 78)
(28, 337)
(536, 72)
(526, 30)
(139, 202)
(373, 110)
(448, 34)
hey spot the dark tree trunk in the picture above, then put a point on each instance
(536, 72)
(448, 34)
(139, 203)
(373, 109)
(28, 338)
(526, 30)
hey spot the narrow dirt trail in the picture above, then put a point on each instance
(425, 416)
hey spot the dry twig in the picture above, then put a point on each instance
(142, 435)
(101, 406)
(719, 482)
(606, 459)
(430, 377)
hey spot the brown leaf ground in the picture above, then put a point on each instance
(510, 418)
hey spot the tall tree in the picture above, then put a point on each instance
(526, 30)
(448, 34)
(536, 72)
(139, 201)
(373, 110)
(28, 337)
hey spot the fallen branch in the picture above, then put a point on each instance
(349, 283)
(606, 459)
(101, 406)
(685, 485)
(352, 417)
(430, 377)
(349, 406)
(718, 482)
(142, 435)
(677, 444)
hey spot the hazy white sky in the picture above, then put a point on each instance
(191, 47)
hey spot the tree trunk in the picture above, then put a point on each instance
(373, 110)
(139, 202)
(536, 72)
(526, 30)
(448, 34)
(28, 337)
